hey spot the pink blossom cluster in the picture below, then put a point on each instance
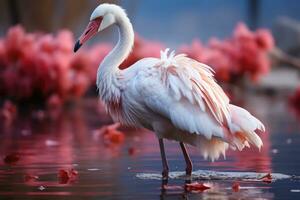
(36, 66)
(245, 53)
(142, 49)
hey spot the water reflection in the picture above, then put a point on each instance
(69, 140)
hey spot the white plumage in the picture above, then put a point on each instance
(175, 96)
(178, 99)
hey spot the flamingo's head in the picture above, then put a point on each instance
(105, 15)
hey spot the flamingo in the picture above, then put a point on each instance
(174, 96)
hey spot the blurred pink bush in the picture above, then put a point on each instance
(142, 49)
(243, 54)
(36, 66)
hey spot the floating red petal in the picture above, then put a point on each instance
(236, 186)
(267, 178)
(12, 159)
(197, 187)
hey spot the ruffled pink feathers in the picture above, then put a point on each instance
(196, 83)
(193, 81)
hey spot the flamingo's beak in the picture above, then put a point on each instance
(77, 46)
(88, 33)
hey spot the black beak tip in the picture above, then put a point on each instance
(77, 46)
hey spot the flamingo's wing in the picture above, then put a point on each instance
(183, 114)
(184, 91)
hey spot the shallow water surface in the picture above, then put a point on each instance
(131, 169)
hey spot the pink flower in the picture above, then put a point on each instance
(14, 43)
(264, 39)
(42, 65)
(147, 48)
(142, 49)
(3, 59)
(242, 32)
(195, 50)
(220, 62)
(243, 54)
(64, 41)
(46, 44)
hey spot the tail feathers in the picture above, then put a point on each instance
(211, 148)
(243, 126)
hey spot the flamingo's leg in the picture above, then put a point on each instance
(165, 171)
(189, 164)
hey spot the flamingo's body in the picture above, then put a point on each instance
(174, 96)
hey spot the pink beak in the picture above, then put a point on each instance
(88, 33)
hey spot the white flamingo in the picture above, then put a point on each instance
(174, 96)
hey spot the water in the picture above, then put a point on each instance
(129, 170)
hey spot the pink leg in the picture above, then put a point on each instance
(189, 164)
(165, 171)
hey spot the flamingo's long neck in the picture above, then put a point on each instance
(109, 68)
